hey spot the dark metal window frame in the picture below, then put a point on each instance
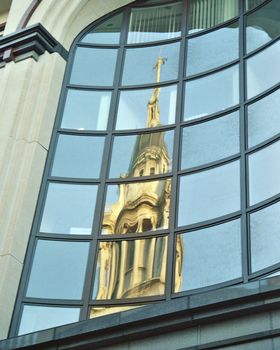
(86, 302)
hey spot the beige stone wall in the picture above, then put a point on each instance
(29, 93)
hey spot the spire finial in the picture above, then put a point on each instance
(160, 62)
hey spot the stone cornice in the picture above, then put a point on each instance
(33, 42)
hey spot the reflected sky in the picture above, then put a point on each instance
(264, 246)
(202, 50)
(58, 270)
(210, 141)
(213, 93)
(139, 63)
(93, 66)
(108, 32)
(260, 75)
(264, 118)
(209, 194)
(133, 107)
(264, 173)
(36, 318)
(86, 110)
(209, 256)
(69, 209)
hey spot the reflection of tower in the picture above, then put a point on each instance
(153, 117)
(137, 268)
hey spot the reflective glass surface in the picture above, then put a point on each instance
(263, 25)
(69, 209)
(277, 273)
(263, 70)
(253, 3)
(208, 13)
(202, 50)
(208, 194)
(264, 119)
(36, 318)
(264, 173)
(151, 124)
(93, 66)
(58, 270)
(209, 256)
(108, 32)
(210, 141)
(151, 64)
(131, 269)
(141, 155)
(78, 156)
(147, 108)
(265, 237)
(137, 207)
(212, 93)
(155, 23)
(102, 311)
(86, 110)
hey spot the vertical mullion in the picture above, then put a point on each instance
(100, 200)
(176, 155)
(243, 133)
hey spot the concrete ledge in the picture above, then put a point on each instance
(206, 310)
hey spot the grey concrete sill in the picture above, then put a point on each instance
(179, 313)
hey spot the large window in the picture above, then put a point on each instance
(163, 172)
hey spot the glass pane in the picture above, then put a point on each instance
(209, 194)
(265, 237)
(277, 273)
(108, 32)
(210, 141)
(142, 155)
(209, 256)
(131, 269)
(151, 64)
(253, 3)
(69, 209)
(105, 310)
(78, 156)
(137, 207)
(263, 25)
(212, 93)
(264, 173)
(202, 50)
(264, 119)
(203, 14)
(263, 70)
(155, 23)
(86, 110)
(36, 318)
(147, 108)
(93, 66)
(58, 270)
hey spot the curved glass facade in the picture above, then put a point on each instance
(162, 177)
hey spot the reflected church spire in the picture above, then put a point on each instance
(153, 116)
(137, 268)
